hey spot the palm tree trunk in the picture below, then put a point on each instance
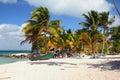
(116, 7)
(93, 51)
(34, 47)
(103, 45)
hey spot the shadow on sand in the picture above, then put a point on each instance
(112, 65)
(51, 63)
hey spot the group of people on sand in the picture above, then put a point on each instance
(61, 54)
(58, 53)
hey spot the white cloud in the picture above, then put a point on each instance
(72, 7)
(11, 30)
(8, 27)
(11, 36)
(75, 7)
(18, 33)
(8, 1)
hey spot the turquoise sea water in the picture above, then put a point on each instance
(13, 51)
(4, 60)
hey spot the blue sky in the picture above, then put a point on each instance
(13, 13)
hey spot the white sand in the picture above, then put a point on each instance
(62, 69)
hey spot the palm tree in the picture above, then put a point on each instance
(91, 43)
(73, 41)
(55, 29)
(41, 29)
(105, 22)
(91, 25)
(92, 20)
(40, 18)
(31, 35)
(69, 40)
(115, 39)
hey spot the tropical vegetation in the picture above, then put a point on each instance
(46, 35)
(115, 39)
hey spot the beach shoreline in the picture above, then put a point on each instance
(62, 69)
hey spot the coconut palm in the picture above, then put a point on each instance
(115, 39)
(68, 40)
(55, 29)
(35, 27)
(92, 20)
(91, 43)
(31, 35)
(105, 22)
(73, 41)
(91, 25)
(41, 29)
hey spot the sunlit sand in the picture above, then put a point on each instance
(62, 69)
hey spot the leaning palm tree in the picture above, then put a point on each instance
(31, 35)
(39, 29)
(32, 30)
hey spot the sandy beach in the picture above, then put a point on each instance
(62, 69)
